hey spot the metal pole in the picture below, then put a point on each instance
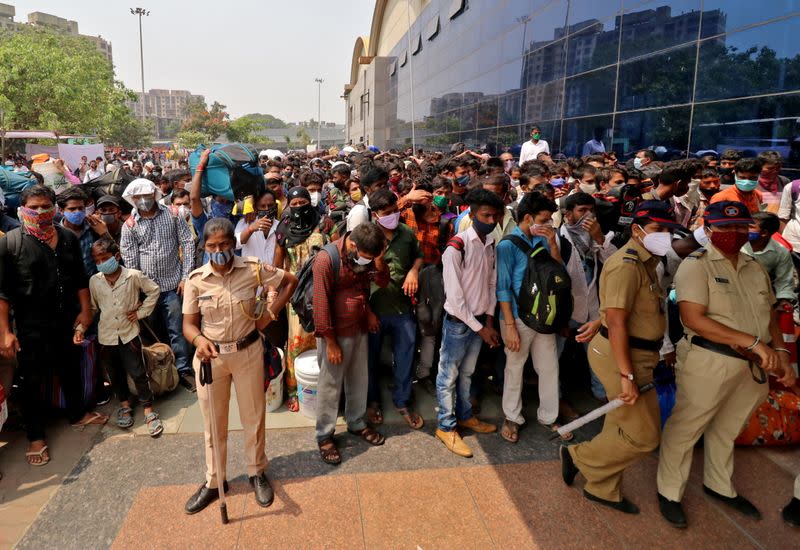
(141, 64)
(2, 136)
(319, 112)
(411, 79)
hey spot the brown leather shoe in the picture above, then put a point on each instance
(477, 426)
(454, 443)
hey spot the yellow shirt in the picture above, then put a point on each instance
(740, 298)
(226, 302)
(629, 281)
(114, 303)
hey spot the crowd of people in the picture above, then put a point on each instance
(481, 273)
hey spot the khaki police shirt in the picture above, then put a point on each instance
(220, 298)
(629, 281)
(740, 298)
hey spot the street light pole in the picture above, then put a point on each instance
(141, 12)
(319, 111)
(2, 136)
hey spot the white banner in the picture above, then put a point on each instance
(71, 154)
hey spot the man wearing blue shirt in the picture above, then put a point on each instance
(535, 226)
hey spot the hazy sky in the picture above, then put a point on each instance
(253, 56)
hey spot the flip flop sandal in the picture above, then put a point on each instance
(414, 421)
(154, 425)
(510, 431)
(374, 414)
(554, 427)
(93, 419)
(40, 454)
(124, 417)
(369, 435)
(329, 452)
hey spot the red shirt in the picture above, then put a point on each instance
(428, 236)
(341, 302)
(751, 200)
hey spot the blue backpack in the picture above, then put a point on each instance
(232, 171)
(14, 183)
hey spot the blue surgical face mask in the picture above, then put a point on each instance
(220, 258)
(76, 217)
(753, 236)
(746, 185)
(463, 180)
(109, 266)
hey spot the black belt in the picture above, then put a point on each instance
(636, 343)
(238, 345)
(756, 371)
(453, 319)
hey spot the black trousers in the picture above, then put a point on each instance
(122, 360)
(39, 360)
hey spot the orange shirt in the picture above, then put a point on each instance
(751, 200)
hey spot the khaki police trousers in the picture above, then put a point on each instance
(716, 396)
(629, 432)
(246, 369)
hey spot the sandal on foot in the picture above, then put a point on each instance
(510, 431)
(292, 404)
(41, 454)
(124, 417)
(154, 425)
(94, 418)
(374, 414)
(414, 421)
(555, 426)
(369, 435)
(329, 452)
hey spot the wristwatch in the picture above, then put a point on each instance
(629, 376)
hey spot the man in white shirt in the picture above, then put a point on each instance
(531, 149)
(469, 271)
(92, 172)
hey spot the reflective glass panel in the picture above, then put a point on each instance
(653, 81)
(576, 132)
(544, 64)
(584, 12)
(726, 15)
(755, 61)
(592, 47)
(510, 108)
(657, 25)
(590, 93)
(543, 102)
(654, 128)
(487, 113)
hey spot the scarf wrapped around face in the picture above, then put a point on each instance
(38, 223)
(297, 223)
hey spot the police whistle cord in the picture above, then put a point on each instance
(206, 378)
(605, 409)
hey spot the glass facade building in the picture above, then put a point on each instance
(685, 75)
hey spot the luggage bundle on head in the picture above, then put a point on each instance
(302, 300)
(12, 184)
(232, 171)
(545, 297)
(112, 182)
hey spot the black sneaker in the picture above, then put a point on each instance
(791, 514)
(672, 512)
(738, 503)
(187, 381)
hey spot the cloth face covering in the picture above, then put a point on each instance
(38, 223)
(728, 242)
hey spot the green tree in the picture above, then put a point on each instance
(192, 138)
(303, 137)
(59, 82)
(266, 121)
(242, 130)
(211, 122)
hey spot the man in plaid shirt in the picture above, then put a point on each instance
(161, 246)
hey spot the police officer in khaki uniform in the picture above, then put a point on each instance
(623, 355)
(220, 318)
(732, 338)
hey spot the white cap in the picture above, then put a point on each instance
(141, 186)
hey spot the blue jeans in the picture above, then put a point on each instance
(403, 331)
(457, 358)
(168, 309)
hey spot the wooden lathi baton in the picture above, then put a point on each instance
(600, 411)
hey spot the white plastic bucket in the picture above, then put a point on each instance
(306, 371)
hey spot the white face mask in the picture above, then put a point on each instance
(514, 183)
(361, 261)
(701, 236)
(184, 211)
(315, 196)
(657, 243)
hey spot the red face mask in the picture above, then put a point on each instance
(728, 242)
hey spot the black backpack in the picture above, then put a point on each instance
(302, 299)
(545, 298)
